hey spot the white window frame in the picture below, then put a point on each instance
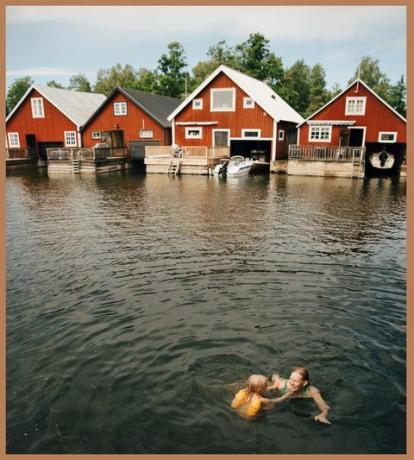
(387, 132)
(200, 102)
(96, 135)
(12, 137)
(67, 133)
(220, 130)
(259, 133)
(118, 112)
(223, 109)
(35, 112)
(281, 135)
(246, 99)
(318, 127)
(355, 98)
(144, 136)
(188, 128)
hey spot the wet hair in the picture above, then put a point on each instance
(256, 384)
(303, 372)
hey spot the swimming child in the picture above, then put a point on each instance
(298, 386)
(249, 401)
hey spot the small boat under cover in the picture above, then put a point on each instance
(236, 166)
(382, 160)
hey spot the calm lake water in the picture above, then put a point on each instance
(137, 304)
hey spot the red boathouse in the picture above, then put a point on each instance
(357, 119)
(231, 109)
(132, 119)
(48, 117)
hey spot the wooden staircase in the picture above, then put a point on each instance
(76, 166)
(174, 167)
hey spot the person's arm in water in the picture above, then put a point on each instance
(323, 407)
(275, 400)
(276, 381)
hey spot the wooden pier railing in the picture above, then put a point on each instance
(318, 152)
(72, 153)
(15, 153)
(157, 151)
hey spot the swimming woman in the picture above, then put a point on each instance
(298, 386)
(250, 400)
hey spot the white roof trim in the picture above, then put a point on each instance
(255, 89)
(331, 122)
(19, 103)
(39, 89)
(343, 92)
(195, 92)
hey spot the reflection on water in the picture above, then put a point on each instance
(135, 303)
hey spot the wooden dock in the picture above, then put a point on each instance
(187, 160)
(306, 160)
(86, 160)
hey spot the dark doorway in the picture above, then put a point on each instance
(136, 149)
(31, 145)
(257, 150)
(42, 146)
(356, 137)
(114, 138)
(221, 138)
(344, 137)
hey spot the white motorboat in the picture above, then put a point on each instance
(382, 160)
(236, 166)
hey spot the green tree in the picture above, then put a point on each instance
(147, 80)
(54, 84)
(295, 86)
(335, 90)
(117, 75)
(16, 91)
(218, 54)
(398, 96)
(79, 82)
(370, 73)
(318, 94)
(172, 79)
(254, 58)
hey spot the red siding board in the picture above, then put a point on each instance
(255, 118)
(48, 129)
(378, 117)
(135, 120)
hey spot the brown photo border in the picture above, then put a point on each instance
(409, 4)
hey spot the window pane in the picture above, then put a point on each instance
(223, 99)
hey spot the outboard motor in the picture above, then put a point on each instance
(383, 157)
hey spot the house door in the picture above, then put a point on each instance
(344, 137)
(113, 138)
(356, 137)
(31, 145)
(221, 138)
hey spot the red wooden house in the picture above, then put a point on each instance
(49, 117)
(130, 118)
(233, 109)
(357, 117)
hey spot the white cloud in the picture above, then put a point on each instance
(294, 23)
(46, 72)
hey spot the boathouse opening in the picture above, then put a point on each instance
(255, 149)
(43, 146)
(355, 137)
(31, 145)
(374, 149)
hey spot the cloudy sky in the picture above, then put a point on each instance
(55, 42)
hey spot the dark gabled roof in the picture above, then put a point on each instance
(155, 106)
